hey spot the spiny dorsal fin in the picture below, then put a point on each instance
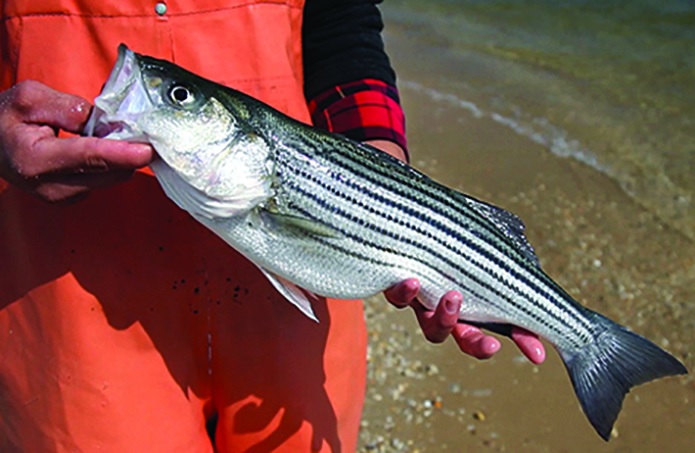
(509, 224)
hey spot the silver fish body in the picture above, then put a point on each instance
(340, 219)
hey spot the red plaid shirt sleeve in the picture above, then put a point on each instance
(368, 109)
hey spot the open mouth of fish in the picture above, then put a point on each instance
(122, 99)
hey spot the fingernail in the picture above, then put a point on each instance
(538, 356)
(411, 287)
(452, 301)
(451, 306)
(142, 147)
(143, 150)
(492, 346)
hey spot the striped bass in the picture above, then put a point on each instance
(321, 214)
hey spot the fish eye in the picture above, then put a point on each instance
(181, 95)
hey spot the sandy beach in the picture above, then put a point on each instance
(610, 253)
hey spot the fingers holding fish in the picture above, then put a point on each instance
(529, 344)
(474, 342)
(60, 169)
(56, 169)
(404, 293)
(437, 325)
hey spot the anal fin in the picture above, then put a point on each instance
(296, 295)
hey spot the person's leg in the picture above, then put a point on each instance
(99, 347)
(282, 382)
(70, 381)
(112, 331)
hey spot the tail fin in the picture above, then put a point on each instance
(604, 371)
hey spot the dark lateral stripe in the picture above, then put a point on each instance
(386, 180)
(510, 303)
(373, 170)
(365, 165)
(384, 175)
(336, 210)
(378, 174)
(400, 184)
(364, 242)
(504, 266)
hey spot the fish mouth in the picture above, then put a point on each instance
(122, 99)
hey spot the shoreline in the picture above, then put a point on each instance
(608, 252)
(568, 114)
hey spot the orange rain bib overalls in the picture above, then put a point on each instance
(124, 324)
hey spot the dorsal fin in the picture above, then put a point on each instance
(509, 224)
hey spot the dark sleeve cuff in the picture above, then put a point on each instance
(368, 109)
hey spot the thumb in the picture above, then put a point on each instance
(91, 154)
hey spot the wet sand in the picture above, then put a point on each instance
(606, 250)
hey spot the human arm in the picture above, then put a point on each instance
(56, 169)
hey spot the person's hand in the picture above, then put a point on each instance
(388, 147)
(438, 324)
(54, 169)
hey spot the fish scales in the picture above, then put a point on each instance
(318, 212)
(427, 233)
(446, 208)
(368, 198)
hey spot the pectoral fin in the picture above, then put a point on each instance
(301, 225)
(292, 292)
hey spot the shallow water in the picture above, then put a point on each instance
(484, 125)
(611, 84)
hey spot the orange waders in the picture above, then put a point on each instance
(124, 324)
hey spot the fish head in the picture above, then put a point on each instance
(196, 130)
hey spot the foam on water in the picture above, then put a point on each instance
(537, 129)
